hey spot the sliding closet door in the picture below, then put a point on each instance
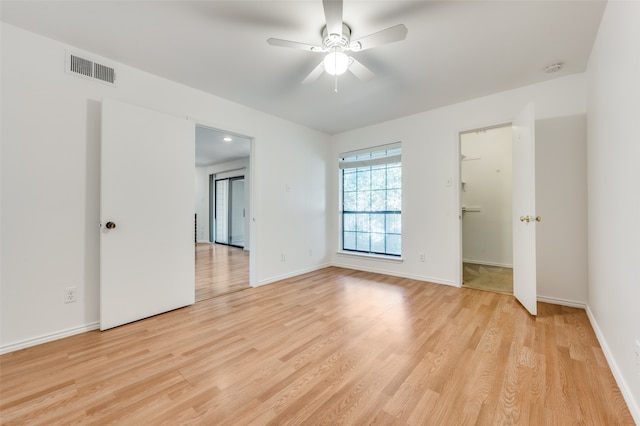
(229, 211)
(222, 211)
(236, 212)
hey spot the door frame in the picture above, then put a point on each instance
(252, 193)
(458, 188)
(460, 276)
(458, 192)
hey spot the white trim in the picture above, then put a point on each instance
(371, 149)
(49, 337)
(290, 275)
(562, 302)
(617, 374)
(482, 262)
(397, 274)
(362, 255)
(354, 164)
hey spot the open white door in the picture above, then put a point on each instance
(147, 192)
(524, 207)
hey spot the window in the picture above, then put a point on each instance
(372, 200)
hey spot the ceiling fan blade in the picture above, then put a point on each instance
(333, 16)
(363, 73)
(390, 35)
(315, 74)
(294, 45)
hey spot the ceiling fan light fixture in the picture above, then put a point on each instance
(336, 63)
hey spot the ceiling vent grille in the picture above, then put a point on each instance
(89, 68)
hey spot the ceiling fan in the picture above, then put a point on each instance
(336, 41)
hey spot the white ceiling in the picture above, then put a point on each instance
(454, 50)
(212, 148)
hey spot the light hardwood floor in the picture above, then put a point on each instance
(220, 270)
(330, 347)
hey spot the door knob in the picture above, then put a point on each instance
(538, 218)
(110, 225)
(525, 219)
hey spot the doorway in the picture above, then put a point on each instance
(223, 203)
(486, 208)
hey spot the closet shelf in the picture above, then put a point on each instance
(471, 209)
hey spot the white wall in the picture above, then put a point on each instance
(561, 202)
(430, 218)
(487, 236)
(50, 184)
(613, 152)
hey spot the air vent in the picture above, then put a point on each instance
(81, 66)
(104, 73)
(87, 67)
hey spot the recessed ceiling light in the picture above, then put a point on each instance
(227, 139)
(553, 68)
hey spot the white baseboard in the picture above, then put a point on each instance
(396, 274)
(291, 275)
(373, 270)
(562, 302)
(482, 262)
(617, 374)
(48, 337)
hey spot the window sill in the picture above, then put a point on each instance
(391, 259)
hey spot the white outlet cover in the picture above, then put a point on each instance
(70, 295)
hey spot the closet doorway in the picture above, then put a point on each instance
(486, 202)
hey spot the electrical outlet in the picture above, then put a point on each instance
(283, 257)
(423, 257)
(310, 252)
(70, 294)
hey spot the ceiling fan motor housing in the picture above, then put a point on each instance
(339, 41)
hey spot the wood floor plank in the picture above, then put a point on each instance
(334, 346)
(220, 269)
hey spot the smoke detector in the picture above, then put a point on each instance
(553, 68)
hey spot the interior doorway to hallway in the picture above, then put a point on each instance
(223, 205)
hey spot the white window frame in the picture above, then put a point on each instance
(370, 157)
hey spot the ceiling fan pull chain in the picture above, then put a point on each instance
(335, 86)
